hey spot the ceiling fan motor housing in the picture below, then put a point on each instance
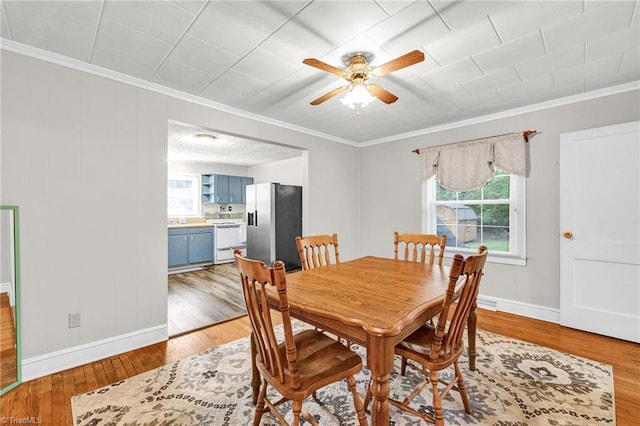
(358, 68)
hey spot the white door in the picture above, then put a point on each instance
(600, 230)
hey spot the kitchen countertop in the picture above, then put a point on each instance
(189, 225)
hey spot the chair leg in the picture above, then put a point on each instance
(462, 388)
(362, 419)
(260, 404)
(437, 401)
(309, 418)
(368, 396)
(403, 366)
(297, 409)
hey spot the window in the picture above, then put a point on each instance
(493, 215)
(183, 195)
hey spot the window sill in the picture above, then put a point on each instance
(505, 259)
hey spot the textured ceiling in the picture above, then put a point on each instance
(222, 148)
(482, 57)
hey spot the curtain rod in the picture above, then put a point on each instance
(525, 135)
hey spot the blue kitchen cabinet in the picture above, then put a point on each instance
(201, 245)
(224, 189)
(178, 247)
(235, 190)
(188, 246)
(208, 188)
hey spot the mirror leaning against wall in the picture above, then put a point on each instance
(10, 362)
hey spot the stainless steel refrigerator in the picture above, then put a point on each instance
(274, 219)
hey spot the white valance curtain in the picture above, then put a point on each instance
(469, 165)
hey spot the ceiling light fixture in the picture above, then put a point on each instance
(204, 137)
(357, 94)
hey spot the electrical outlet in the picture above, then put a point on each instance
(74, 320)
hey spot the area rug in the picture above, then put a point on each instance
(515, 383)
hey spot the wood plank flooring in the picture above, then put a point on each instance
(49, 398)
(202, 298)
(7, 342)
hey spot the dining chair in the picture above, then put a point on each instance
(295, 365)
(435, 348)
(316, 250)
(416, 247)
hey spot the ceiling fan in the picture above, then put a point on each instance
(358, 72)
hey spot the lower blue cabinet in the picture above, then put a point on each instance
(189, 246)
(178, 247)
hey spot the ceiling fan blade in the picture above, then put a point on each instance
(324, 66)
(329, 95)
(400, 62)
(382, 94)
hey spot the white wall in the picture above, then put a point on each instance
(80, 156)
(85, 159)
(287, 172)
(391, 193)
(199, 167)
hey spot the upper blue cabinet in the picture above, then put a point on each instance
(223, 189)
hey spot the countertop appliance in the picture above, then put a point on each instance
(274, 219)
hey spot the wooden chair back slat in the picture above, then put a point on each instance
(416, 247)
(316, 250)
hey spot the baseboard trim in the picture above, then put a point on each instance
(43, 365)
(185, 269)
(528, 310)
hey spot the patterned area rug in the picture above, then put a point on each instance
(515, 383)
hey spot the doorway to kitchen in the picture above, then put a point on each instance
(200, 298)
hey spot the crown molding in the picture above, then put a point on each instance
(65, 61)
(34, 52)
(595, 94)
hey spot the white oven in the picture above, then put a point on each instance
(229, 237)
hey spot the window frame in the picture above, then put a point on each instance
(196, 193)
(517, 222)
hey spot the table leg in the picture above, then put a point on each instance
(380, 364)
(471, 337)
(255, 374)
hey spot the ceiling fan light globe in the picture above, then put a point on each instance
(357, 94)
(348, 100)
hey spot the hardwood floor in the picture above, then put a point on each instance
(49, 398)
(7, 342)
(201, 298)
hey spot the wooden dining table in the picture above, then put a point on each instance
(372, 301)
